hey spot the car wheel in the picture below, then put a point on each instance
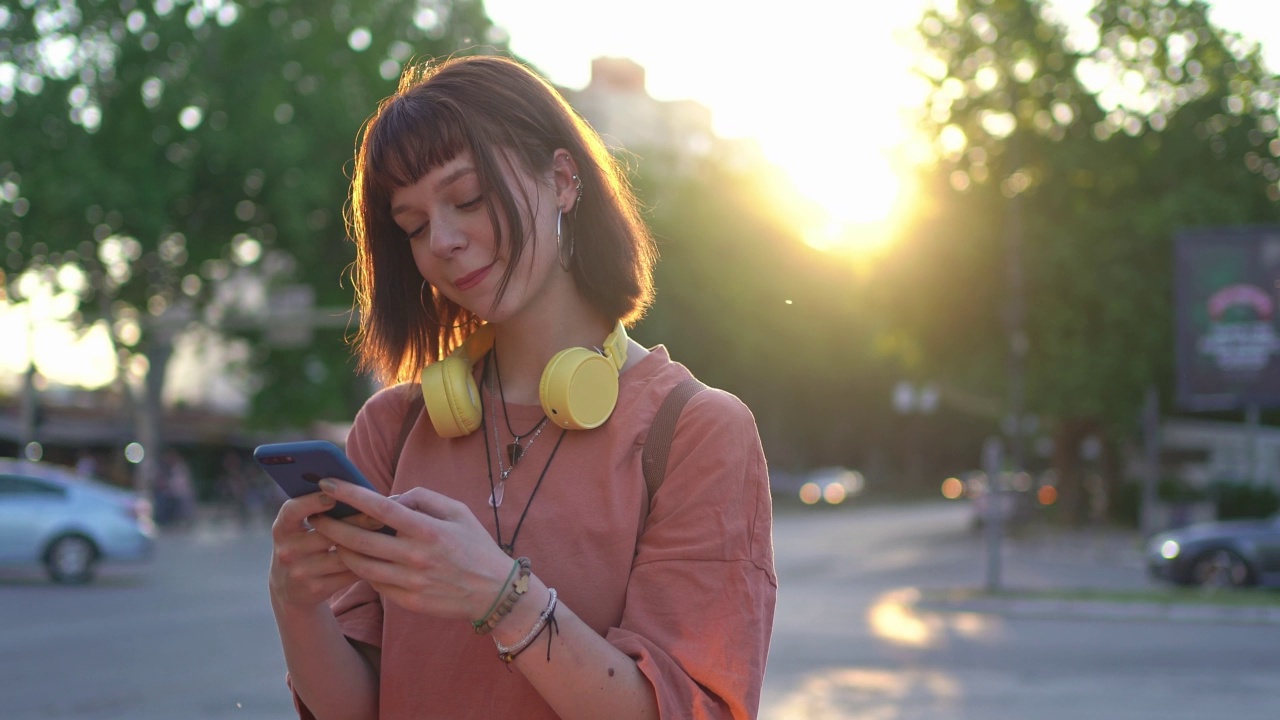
(71, 559)
(1220, 568)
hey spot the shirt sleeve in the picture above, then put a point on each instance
(700, 601)
(370, 444)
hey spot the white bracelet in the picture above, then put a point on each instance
(508, 654)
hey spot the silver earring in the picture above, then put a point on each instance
(561, 243)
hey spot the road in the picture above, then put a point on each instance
(191, 636)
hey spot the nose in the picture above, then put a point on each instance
(447, 238)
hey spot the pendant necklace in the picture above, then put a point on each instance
(495, 495)
(515, 451)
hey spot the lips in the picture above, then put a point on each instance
(470, 280)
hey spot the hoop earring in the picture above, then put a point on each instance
(561, 243)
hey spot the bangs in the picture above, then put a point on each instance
(412, 136)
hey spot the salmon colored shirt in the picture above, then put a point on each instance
(687, 590)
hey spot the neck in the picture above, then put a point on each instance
(524, 345)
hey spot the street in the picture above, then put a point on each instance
(191, 636)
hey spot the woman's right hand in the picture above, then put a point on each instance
(305, 570)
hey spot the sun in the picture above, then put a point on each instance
(855, 202)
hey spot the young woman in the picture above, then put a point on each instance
(530, 575)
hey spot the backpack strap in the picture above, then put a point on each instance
(658, 445)
(416, 403)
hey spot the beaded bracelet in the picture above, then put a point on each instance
(503, 606)
(508, 654)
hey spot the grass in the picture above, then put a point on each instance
(1242, 597)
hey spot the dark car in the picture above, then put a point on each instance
(1234, 553)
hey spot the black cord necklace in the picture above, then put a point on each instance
(515, 450)
(509, 548)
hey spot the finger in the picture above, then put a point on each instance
(379, 507)
(434, 504)
(354, 537)
(361, 520)
(294, 512)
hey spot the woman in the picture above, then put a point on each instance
(530, 575)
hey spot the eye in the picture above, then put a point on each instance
(417, 232)
(472, 204)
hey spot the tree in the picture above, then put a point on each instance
(1091, 149)
(168, 161)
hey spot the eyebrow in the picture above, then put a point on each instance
(445, 182)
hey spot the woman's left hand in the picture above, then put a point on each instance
(441, 561)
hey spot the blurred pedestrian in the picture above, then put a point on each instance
(175, 495)
(487, 215)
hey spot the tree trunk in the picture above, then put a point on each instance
(1073, 497)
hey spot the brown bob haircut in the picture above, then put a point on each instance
(500, 112)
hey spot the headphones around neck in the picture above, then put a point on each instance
(578, 390)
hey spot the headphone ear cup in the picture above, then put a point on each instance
(579, 389)
(452, 397)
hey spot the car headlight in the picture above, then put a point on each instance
(1169, 549)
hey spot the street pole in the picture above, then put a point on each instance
(993, 522)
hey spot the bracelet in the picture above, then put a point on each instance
(502, 605)
(508, 654)
(477, 624)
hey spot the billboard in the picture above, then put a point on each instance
(1226, 302)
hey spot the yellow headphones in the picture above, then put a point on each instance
(578, 390)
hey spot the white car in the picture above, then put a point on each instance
(68, 524)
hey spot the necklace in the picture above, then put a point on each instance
(510, 548)
(515, 450)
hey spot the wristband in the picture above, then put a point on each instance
(502, 605)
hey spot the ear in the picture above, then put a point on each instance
(567, 180)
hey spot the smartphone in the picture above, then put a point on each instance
(297, 466)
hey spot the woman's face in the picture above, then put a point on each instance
(445, 215)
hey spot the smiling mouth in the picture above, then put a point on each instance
(470, 280)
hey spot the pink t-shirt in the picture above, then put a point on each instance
(687, 590)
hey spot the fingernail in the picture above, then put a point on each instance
(327, 500)
(327, 485)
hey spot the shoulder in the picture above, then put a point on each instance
(376, 427)
(392, 400)
(658, 375)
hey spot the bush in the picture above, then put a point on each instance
(1244, 500)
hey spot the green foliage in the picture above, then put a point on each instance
(1239, 500)
(1086, 158)
(750, 308)
(180, 152)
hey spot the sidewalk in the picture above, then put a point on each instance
(1096, 573)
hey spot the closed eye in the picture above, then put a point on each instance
(416, 233)
(472, 204)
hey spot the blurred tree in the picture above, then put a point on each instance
(750, 308)
(1085, 149)
(174, 162)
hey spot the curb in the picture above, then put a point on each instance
(1052, 609)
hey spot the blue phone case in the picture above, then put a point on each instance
(297, 466)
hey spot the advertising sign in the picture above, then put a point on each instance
(1227, 298)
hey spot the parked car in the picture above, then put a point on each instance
(825, 485)
(68, 524)
(1233, 553)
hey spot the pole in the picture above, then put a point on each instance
(1252, 419)
(994, 521)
